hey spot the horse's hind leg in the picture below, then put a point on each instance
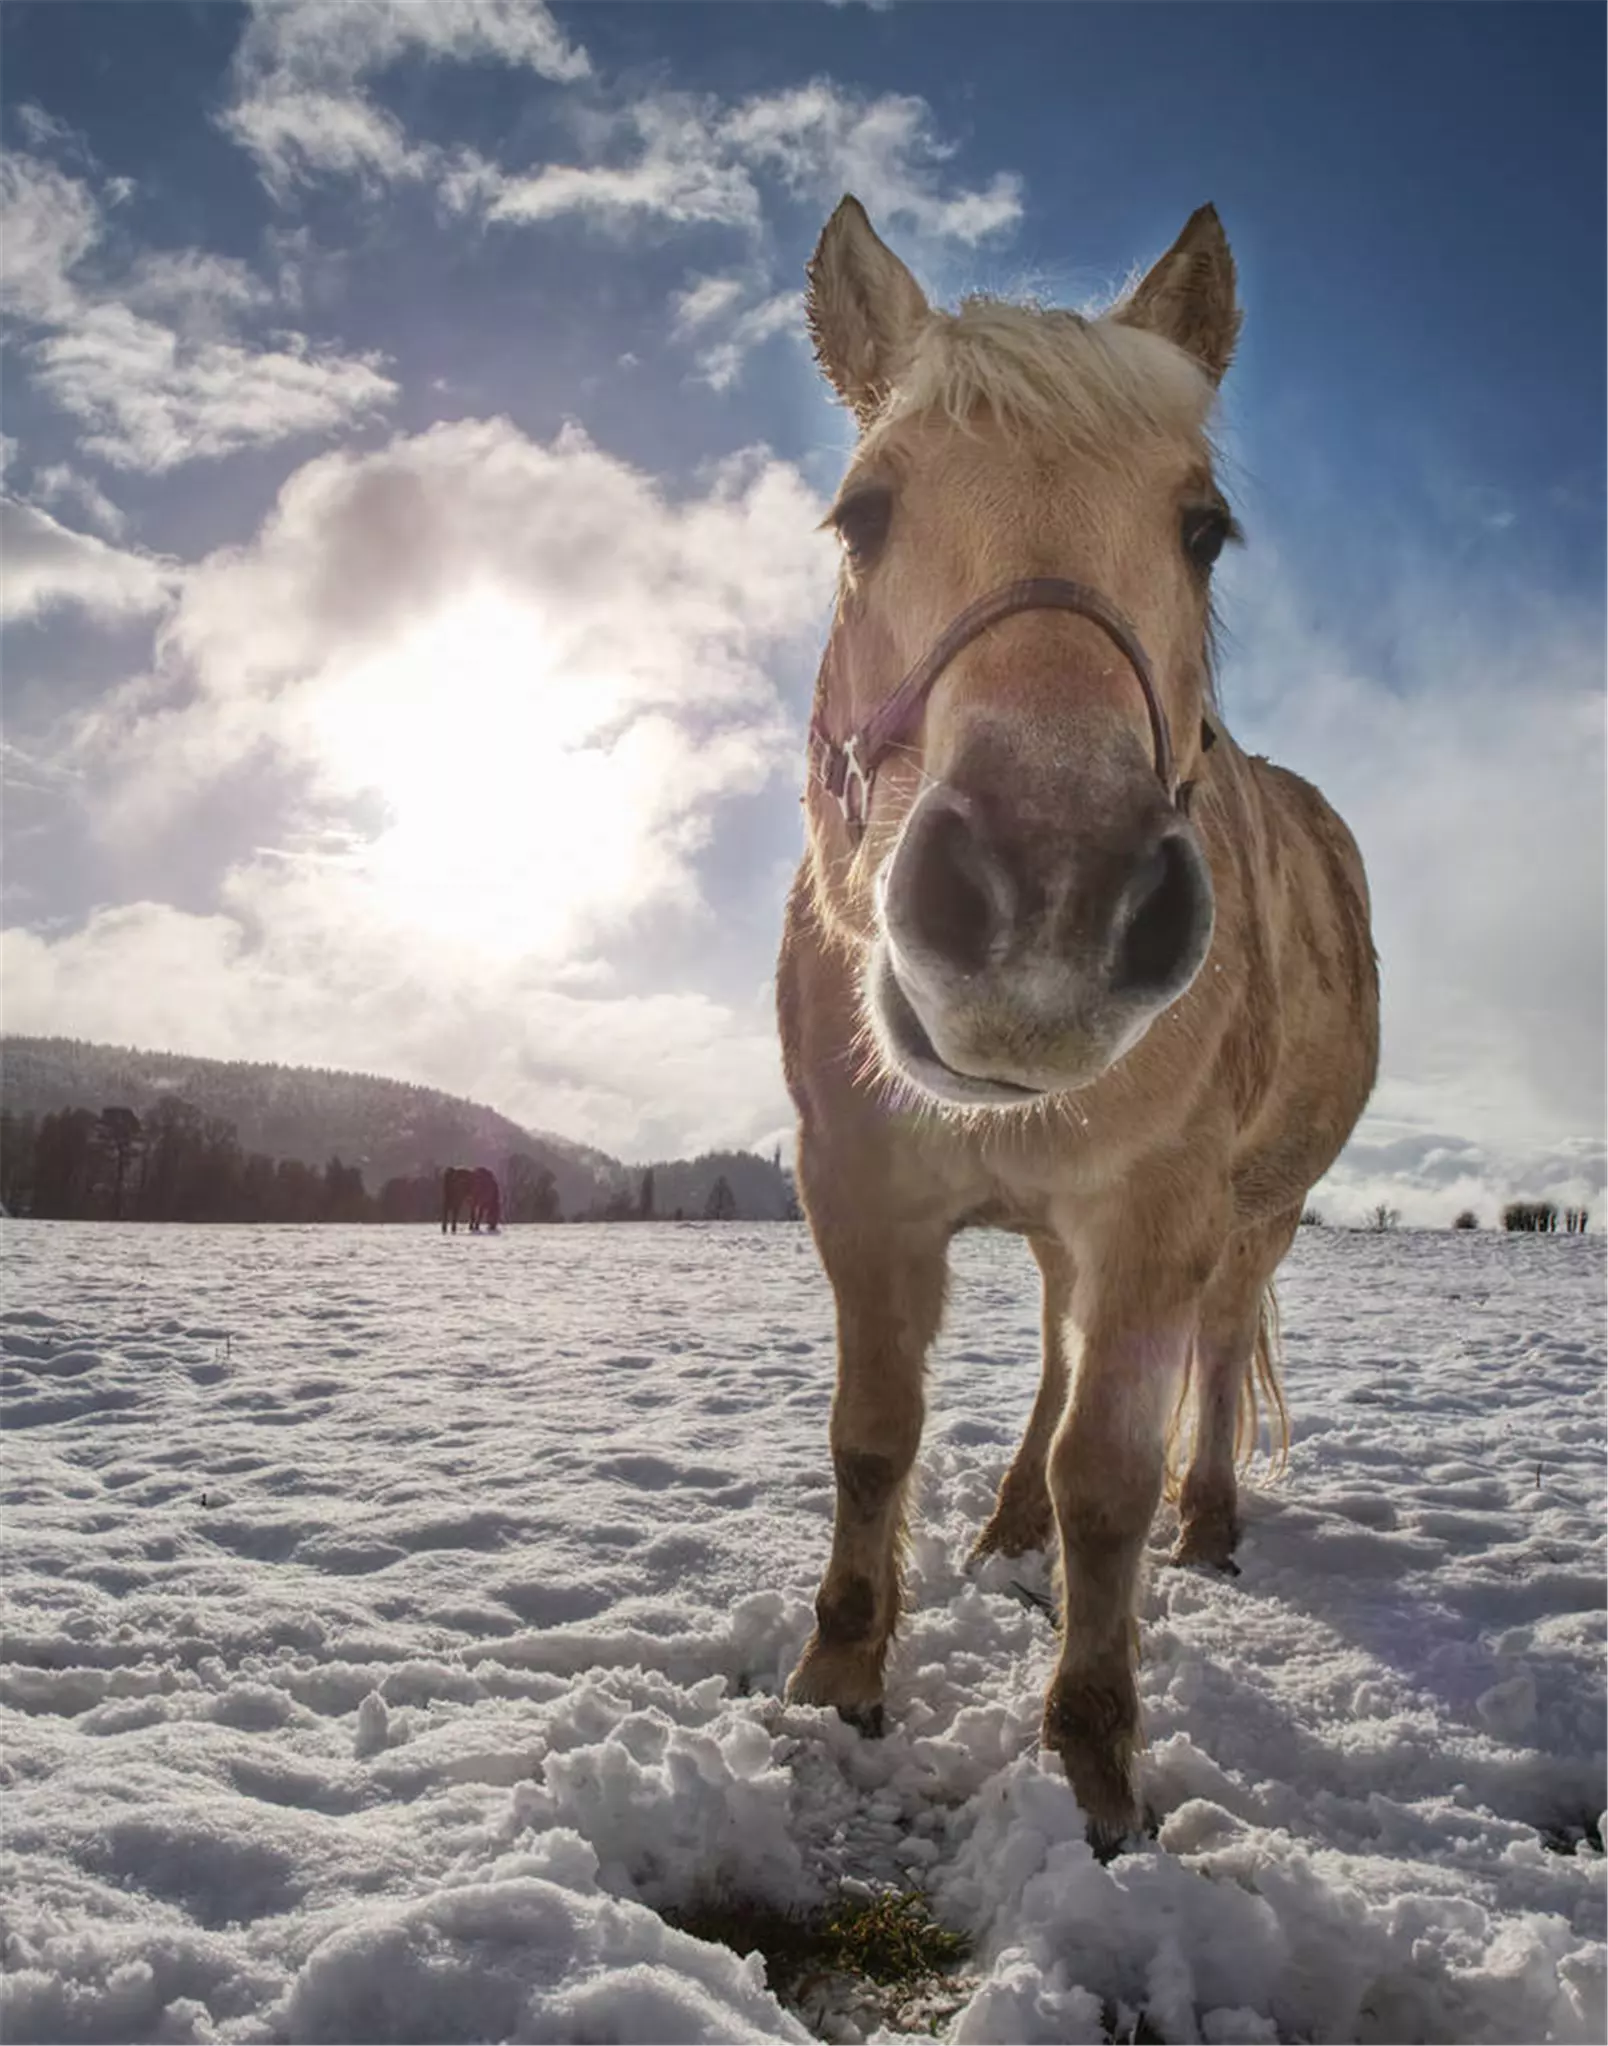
(1023, 1518)
(1225, 1348)
(890, 1289)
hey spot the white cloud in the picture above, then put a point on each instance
(301, 109)
(52, 223)
(148, 360)
(44, 131)
(201, 293)
(46, 566)
(710, 314)
(676, 169)
(645, 1076)
(1430, 1177)
(59, 482)
(152, 400)
(1473, 776)
(721, 362)
(514, 684)
(706, 299)
(685, 159)
(297, 133)
(823, 140)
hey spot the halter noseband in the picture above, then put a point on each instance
(847, 768)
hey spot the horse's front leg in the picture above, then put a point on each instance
(890, 1290)
(1135, 1320)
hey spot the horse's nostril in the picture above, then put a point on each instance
(1168, 907)
(952, 899)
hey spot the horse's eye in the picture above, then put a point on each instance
(1207, 529)
(862, 523)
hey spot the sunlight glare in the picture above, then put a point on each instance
(511, 811)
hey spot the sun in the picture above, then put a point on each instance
(512, 798)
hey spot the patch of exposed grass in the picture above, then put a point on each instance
(868, 1958)
(881, 1950)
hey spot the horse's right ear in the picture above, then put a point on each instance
(1189, 296)
(863, 308)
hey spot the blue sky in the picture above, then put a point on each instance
(411, 441)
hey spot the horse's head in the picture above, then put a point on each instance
(1019, 864)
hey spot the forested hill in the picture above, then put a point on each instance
(387, 1128)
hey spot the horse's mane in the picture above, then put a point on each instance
(1084, 381)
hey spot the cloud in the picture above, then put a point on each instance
(510, 688)
(644, 1075)
(823, 140)
(59, 482)
(712, 303)
(706, 299)
(301, 108)
(148, 360)
(685, 159)
(1461, 736)
(675, 168)
(151, 400)
(47, 566)
(1429, 1177)
(52, 223)
(643, 601)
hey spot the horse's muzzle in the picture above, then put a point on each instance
(1018, 962)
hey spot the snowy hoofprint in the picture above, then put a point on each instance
(1061, 959)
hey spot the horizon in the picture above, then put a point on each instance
(1362, 1220)
(414, 459)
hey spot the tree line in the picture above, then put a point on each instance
(640, 1203)
(1540, 1218)
(177, 1164)
(1530, 1217)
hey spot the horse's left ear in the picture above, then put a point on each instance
(1188, 296)
(863, 308)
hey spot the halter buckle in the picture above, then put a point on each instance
(856, 807)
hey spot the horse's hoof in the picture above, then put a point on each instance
(1106, 1845)
(1013, 1532)
(1193, 1556)
(1209, 1535)
(841, 1677)
(1092, 1723)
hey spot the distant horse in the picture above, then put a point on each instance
(1060, 959)
(473, 1193)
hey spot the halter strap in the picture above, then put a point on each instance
(847, 768)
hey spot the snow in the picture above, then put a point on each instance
(395, 1626)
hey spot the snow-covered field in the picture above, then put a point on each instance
(395, 1628)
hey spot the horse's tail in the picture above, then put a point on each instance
(1264, 1380)
(1262, 1383)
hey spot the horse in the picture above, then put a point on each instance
(472, 1192)
(1060, 958)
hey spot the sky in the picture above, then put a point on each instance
(411, 580)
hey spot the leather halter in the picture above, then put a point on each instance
(847, 768)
